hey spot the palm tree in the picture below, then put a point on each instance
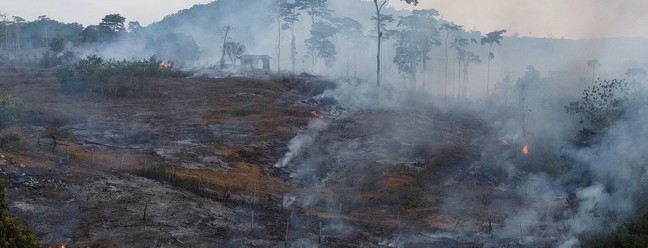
(491, 38)
(449, 28)
(593, 63)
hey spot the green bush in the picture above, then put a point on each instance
(119, 78)
(632, 234)
(10, 112)
(247, 110)
(11, 234)
(12, 142)
(603, 104)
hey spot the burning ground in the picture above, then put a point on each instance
(238, 161)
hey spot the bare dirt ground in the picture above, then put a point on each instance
(83, 187)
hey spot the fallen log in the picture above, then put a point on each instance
(106, 145)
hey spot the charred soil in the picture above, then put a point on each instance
(191, 163)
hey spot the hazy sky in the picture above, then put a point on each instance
(559, 18)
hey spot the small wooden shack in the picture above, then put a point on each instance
(251, 62)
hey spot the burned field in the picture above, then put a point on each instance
(201, 162)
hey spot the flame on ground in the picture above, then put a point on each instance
(314, 114)
(164, 65)
(525, 150)
(52, 246)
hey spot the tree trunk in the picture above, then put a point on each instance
(465, 90)
(378, 56)
(380, 34)
(279, 42)
(222, 62)
(313, 49)
(454, 65)
(465, 82)
(293, 48)
(348, 51)
(445, 82)
(459, 80)
(490, 51)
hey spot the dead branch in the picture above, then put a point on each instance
(106, 145)
(176, 239)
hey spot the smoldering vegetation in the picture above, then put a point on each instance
(456, 138)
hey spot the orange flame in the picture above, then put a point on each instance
(63, 245)
(525, 150)
(164, 65)
(314, 114)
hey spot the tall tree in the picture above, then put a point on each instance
(17, 22)
(290, 16)
(459, 44)
(524, 86)
(234, 50)
(110, 27)
(222, 61)
(320, 45)
(379, 8)
(416, 38)
(4, 20)
(349, 28)
(385, 34)
(491, 38)
(114, 21)
(593, 64)
(380, 4)
(44, 20)
(134, 26)
(449, 28)
(278, 6)
(319, 12)
(469, 58)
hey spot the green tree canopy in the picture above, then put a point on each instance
(113, 21)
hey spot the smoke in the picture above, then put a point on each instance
(301, 141)
(403, 129)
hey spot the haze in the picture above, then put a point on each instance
(576, 19)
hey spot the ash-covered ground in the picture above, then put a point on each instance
(263, 163)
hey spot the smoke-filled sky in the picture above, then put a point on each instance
(557, 18)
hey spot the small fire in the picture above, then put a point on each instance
(525, 150)
(314, 114)
(53, 246)
(164, 65)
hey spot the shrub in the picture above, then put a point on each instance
(12, 142)
(10, 112)
(632, 234)
(118, 78)
(247, 110)
(11, 234)
(603, 104)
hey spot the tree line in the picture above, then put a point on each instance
(415, 36)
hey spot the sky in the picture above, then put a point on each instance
(573, 19)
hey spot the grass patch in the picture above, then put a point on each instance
(11, 142)
(247, 111)
(162, 173)
(11, 112)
